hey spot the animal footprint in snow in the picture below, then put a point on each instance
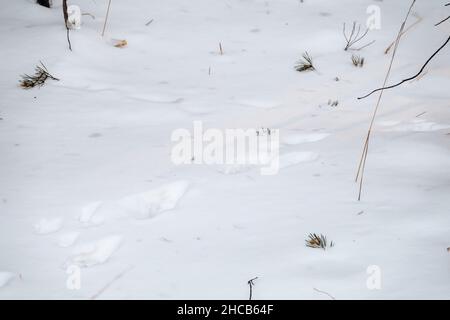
(46, 226)
(141, 206)
(151, 203)
(68, 239)
(98, 252)
(89, 214)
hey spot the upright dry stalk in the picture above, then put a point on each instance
(362, 161)
(106, 18)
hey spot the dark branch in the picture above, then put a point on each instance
(442, 21)
(448, 4)
(44, 3)
(251, 284)
(66, 22)
(413, 77)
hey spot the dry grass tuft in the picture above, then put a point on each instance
(357, 61)
(318, 242)
(305, 64)
(38, 79)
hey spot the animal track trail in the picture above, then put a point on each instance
(143, 205)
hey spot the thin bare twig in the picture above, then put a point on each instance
(421, 114)
(88, 14)
(320, 291)
(364, 46)
(105, 287)
(442, 21)
(414, 76)
(251, 284)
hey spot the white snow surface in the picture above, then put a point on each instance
(5, 278)
(46, 226)
(86, 177)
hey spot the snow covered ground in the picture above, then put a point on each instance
(86, 178)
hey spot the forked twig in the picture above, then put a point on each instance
(251, 284)
(355, 36)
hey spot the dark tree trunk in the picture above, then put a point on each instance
(45, 3)
(65, 14)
